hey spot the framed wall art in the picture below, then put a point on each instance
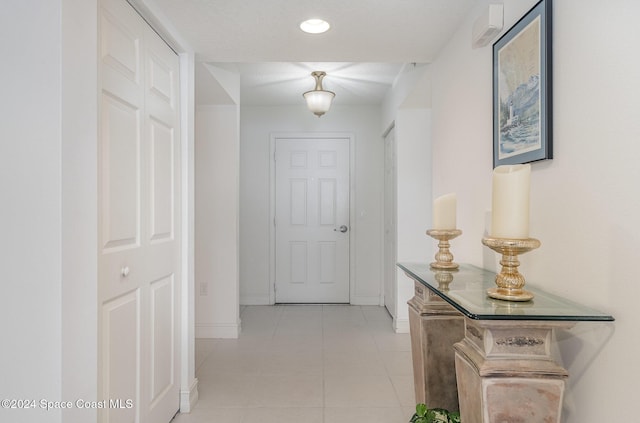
(522, 102)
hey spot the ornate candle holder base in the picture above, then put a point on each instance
(444, 258)
(444, 278)
(509, 281)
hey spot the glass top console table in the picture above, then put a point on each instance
(489, 358)
(466, 290)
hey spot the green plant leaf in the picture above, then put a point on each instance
(434, 415)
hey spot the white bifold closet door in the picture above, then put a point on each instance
(139, 215)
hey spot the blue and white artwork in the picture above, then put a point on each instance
(519, 93)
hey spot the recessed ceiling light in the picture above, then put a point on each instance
(315, 26)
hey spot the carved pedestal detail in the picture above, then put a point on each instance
(505, 372)
(435, 326)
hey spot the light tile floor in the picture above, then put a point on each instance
(308, 363)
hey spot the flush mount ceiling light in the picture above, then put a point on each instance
(315, 26)
(318, 100)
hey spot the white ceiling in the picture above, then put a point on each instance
(365, 49)
(283, 83)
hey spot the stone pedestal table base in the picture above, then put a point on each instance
(435, 326)
(505, 372)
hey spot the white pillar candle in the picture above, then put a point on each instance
(510, 204)
(444, 212)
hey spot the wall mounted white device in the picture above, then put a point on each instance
(487, 26)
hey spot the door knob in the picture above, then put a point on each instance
(342, 229)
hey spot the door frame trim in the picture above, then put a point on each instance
(272, 203)
(390, 265)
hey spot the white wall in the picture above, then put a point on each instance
(216, 222)
(48, 169)
(585, 203)
(413, 161)
(31, 185)
(411, 89)
(256, 126)
(79, 207)
(407, 106)
(48, 179)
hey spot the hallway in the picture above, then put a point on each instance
(311, 363)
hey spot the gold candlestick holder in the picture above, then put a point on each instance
(444, 258)
(444, 278)
(509, 281)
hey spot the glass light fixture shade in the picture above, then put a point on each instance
(319, 100)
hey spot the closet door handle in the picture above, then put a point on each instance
(342, 229)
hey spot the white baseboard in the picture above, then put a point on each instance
(189, 398)
(401, 325)
(366, 301)
(265, 300)
(255, 300)
(218, 330)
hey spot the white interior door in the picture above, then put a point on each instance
(390, 232)
(139, 238)
(312, 220)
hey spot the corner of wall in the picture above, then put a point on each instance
(411, 89)
(401, 325)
